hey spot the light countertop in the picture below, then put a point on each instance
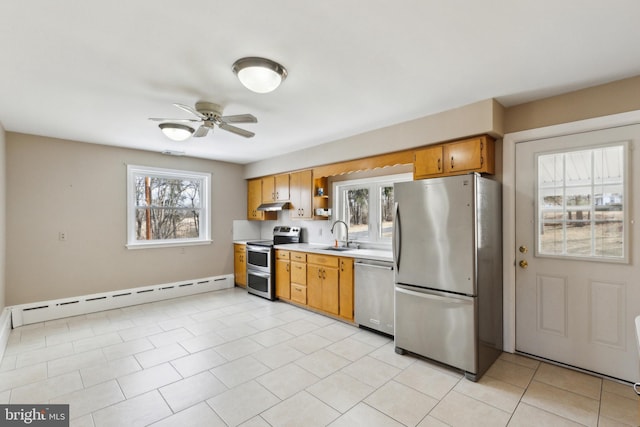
(375, 254)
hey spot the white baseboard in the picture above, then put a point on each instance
(5, 330)
(26, 314)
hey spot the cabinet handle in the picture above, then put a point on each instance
(287, 267)
(481, 156)
(277, 195)
(439, 166)
(319, 274)
(451, 162)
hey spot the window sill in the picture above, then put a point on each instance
(154, 245)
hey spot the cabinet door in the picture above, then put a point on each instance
(298, 293)
(428, 162)
(298, 273)
(346, 288)
(283, 282)
(282, 187)
(240, 265)
(314, 286)
(301, 195)
(464, 155)
(268, 189)
(330, 290)
(254, 198)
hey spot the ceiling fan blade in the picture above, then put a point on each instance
(201, 131)
(160, 119)
(190, 110)
(236, 130)
(239, 118)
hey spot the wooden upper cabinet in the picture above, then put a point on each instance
(301, 188)
(275, 188)
(455, 158)
(254, 199)
(428, 161)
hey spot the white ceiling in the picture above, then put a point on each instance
(94, 71)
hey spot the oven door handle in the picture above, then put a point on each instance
(258, 274)
(261, 249)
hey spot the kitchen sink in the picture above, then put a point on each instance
(338, 249)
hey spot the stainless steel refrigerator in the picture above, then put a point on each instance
(447, 249)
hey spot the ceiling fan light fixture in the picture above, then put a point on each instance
(175, 131)
(259, 75)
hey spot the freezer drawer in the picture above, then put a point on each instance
(437, 325)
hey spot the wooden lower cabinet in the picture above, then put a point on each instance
(240, 264)
(321, 282)
(283, 275)
(298, 293)
(346, 288)
(298, 277)
(323, 291)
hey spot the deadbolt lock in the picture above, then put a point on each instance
(523, 264)
(523, 249)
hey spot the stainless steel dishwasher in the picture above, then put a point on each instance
(374, 293)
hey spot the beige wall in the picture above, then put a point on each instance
(55, 185)
(474, 119)
(617, 97)
(3, 210)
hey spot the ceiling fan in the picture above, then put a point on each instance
(209, 115)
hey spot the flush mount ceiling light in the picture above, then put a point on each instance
(175, 131)
(259, 74)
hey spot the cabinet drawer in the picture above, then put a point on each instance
(326, 260)
(239, 248)
(298, 256)
(298, 293)
(299, 272)
(280, 254)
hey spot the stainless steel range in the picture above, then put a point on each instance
(260, 260)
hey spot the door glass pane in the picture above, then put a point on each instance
(580, 203)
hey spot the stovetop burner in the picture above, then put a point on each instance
(281, 234)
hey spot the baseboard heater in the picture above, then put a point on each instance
(26, 314)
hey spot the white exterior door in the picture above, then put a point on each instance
(577, 288)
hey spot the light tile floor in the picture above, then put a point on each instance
(227, 358)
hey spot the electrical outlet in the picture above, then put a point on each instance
(62, 236)
(320, 232)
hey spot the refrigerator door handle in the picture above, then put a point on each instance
(397, 239)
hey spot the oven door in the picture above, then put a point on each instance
(259, 283)
(259, 258)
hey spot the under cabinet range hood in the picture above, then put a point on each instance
(275, 206)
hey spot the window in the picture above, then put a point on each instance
(366, 205)
(167, 207)
(581, 203)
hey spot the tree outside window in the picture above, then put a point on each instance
(167, 206)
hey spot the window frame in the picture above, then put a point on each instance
(624, 259)
(374, 184)
(204, 238)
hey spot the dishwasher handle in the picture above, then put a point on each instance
(369, 265)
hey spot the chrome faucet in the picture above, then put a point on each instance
(346, 229)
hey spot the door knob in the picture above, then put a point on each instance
(523, 249)
(523, 264)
